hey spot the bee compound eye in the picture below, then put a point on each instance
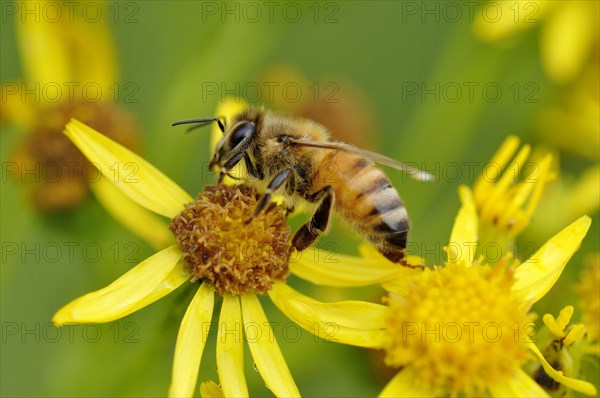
(240, 132)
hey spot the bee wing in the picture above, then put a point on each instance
(414, 172)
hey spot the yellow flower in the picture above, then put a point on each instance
(568, 36)
(589, 301)
(456, 329)
(506, 194)
(462, 328)
(70, 71)
(148, 190)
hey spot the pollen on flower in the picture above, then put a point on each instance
(219, 245)
(456, 329)
(61, 172)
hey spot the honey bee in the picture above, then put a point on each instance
(295, 157)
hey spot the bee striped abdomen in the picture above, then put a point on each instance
(372, 205)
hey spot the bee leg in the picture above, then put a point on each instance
(233, 161)
(252, 170)
(228, 165)
(307, 234)
(275, 183)
(398, 256)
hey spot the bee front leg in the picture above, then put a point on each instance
(307, 234)
(275, 183)
(228, 165)
(233, 161)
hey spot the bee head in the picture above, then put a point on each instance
(233, 142)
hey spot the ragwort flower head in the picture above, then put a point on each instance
(222, 210)
(507, 193)
(218, 248)
(70, 71)
(568, 36)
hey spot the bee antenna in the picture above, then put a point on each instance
(202, 122)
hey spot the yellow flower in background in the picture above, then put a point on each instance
(211, 235)
(589, 301)
(70, 71)
(570, 123)
(507, 193)
(568, 35)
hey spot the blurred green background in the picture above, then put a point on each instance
(432, 90)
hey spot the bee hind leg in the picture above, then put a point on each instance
(307, 234)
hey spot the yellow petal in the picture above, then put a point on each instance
(497, 196)
(230, 349)
(135, 177)
(95, 64)
(227, 110)
(59, 51)
(500, 20)
(334, 269)
(557, 326)
(520, 385)
(265, 350)
(134, 290)
(564, 317)
(348, 322)
(44, 53)
(493, 169)
(464, 236)
(568, 39)
(193, 332)
(176, 278)
(210, 389)
(535, 277)
(137, 219)
(541, 178)
(404, 384)
(550, 323)
(574, 384)
(575, 334)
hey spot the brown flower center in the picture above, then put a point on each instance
(49, 159)
(220, 246)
